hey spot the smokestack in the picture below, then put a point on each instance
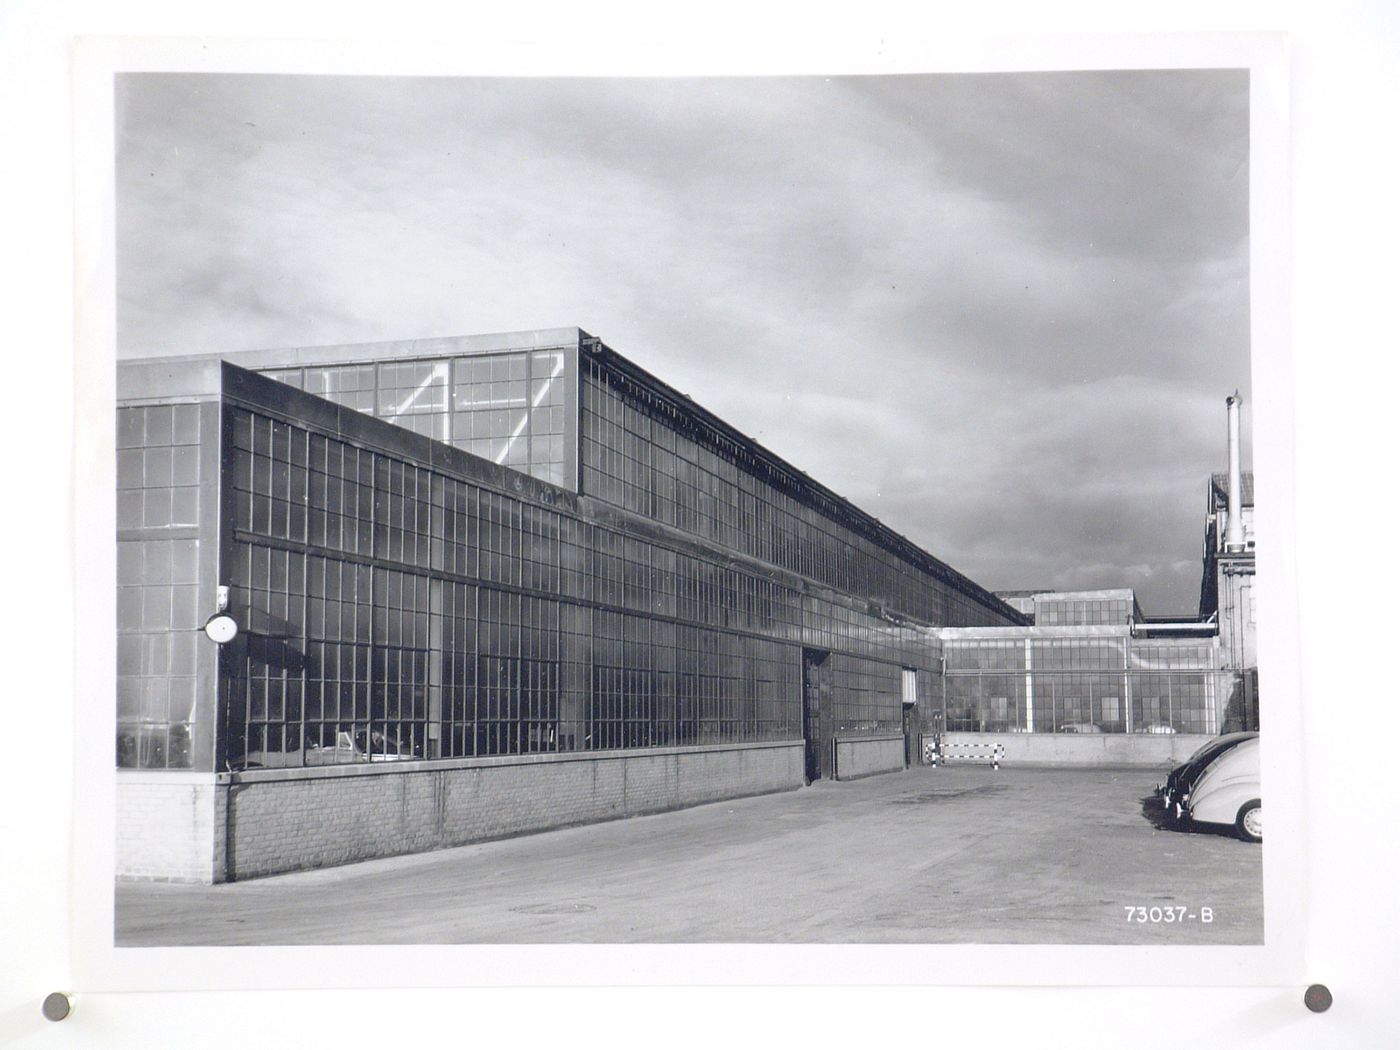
(1234, 521)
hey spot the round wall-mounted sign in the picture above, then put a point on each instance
(221, 627)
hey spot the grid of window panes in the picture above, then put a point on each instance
(340, 666)
(511, 407)
(835, 625)
(986, 703)
(994, 654)
(1078, 612)
(1081, 685)
(867, 696)
(414, 394)
(1170, 689)
(393, 612)
(353, 386)
(1078, 654)
(158, 619)
(653, 462)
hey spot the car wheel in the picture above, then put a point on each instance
(1249, 823)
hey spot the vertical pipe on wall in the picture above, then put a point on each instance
(1030, 687)
(1234, 523)
(1127, 684)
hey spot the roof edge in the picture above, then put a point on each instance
(898, 544)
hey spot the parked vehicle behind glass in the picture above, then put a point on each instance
(332, 749)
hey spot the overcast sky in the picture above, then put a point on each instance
(1001, 312)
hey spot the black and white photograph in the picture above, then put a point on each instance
(697, 509)
(686, 525)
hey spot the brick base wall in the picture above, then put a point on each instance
(166, 826)
(863, 758)
(287, 820)
(1089, 749)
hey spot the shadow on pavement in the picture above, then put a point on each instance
(946, 795)
(1159, 816)
(1162, 819)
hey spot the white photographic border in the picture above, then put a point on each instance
(1259, 988)
(1277, 961)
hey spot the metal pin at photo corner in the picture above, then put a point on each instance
(1318, 998)
(57, 1006)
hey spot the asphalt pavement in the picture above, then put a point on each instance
(958, 854)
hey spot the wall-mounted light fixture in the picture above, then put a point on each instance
(221, 627)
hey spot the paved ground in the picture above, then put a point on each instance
(961, 854)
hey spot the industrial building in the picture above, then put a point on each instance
(1089, 678)
(1090, 681)
(1227, 579)
(385, 598)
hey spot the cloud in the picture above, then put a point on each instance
(998, 311)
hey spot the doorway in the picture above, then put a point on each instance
(909, 689)
(816, 714)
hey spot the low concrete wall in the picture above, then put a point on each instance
(165, 825)
(287, 820)
(1088, 749)
(866, 757)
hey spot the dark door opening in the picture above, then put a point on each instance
(816, 713)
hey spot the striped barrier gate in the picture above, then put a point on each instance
(992, 753)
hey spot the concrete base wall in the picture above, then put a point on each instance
(1088, 749)
(288, 820)
(863, 758)
(165, 825)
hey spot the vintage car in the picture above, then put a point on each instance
(1228, 793)
(1179, 779)
(345, 747)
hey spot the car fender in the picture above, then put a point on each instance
(1239, 763)
(1230, 776)
(1220, 804)
(1186, 776)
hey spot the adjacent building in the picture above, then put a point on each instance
(1227, 578)
(1089, 678)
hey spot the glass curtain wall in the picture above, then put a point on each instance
(159, 477)
(394, 612)
(1081, 685)
(651, 460)
(510, 407)
(1083, 611)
